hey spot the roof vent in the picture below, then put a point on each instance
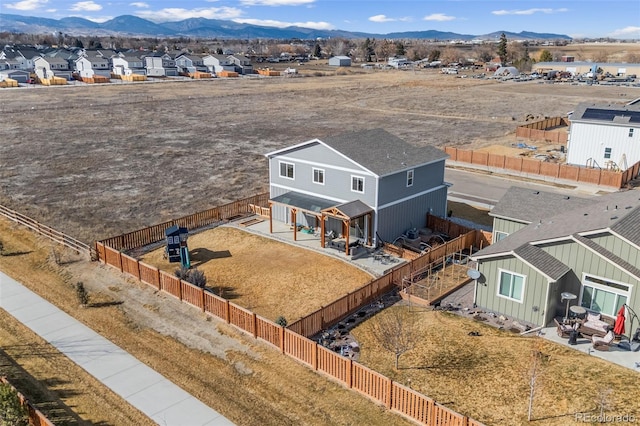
(586, 214)
(614, 217)
(627, 208)
(536, 192)
(567, 197)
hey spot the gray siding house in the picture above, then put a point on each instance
(368, 185)
(590, 249)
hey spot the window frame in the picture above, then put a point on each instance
(513, 274)
(293, 170)
(588, 281)
(631, 132)
(607, 153)
(410, 178)
(354, 178)
(495, 236)
(320, 173)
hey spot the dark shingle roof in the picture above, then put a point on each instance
(604, 212)
(628, 226)
(611, 113)
(542, 261)
(354, 209)
(527, 205)
(303, 201)
(381, 152)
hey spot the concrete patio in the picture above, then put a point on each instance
(365, 258)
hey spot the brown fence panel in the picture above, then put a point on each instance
(309, 325)
(464, 155)
(191, 294)
(334, 365)
(531, 166)
(443, 416)
(170, 284)
(300, 348)
(495, 160)
(112, 258)
(268, 331)
(613, 179)
(336, 310)
(480, 157)
(130, 266)
(411, 403)
(523, 132)
(242, 318)
(100, 250)
(589, 175)
(215, 305)
(452, 152)
(149, 275)
(569, 172)
(549, 169)
(370, 383)
(513, 163)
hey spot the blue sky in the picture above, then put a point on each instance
(576, 18)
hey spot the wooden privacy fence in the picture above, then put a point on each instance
(452, 229)
(290, 342)
(47, 231)
(36, 417)
(539, 130)
(155, 233)
(544, 169)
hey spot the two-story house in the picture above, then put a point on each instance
(127, 65)
(189, 64)
(605, 135)
(242, 64)
(589, 249)
(49, 67)
(160, 65)
(369, 185)
(91, 66)
(218, 63)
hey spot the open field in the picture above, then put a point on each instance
(487, 376)
(243, 379)
(256, 272)
(96, 161)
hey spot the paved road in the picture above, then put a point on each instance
(162, 401)
(485, 190)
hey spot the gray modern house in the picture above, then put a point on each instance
(589, 248)
(367, 185)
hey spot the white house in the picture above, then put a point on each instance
(605, 135)
(218, 63)
(127, 65)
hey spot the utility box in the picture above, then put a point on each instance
(176, 238)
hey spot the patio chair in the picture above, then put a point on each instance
(602, 343)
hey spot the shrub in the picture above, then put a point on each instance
(81, 294)
(182, 273)
(11, 411)
(281, 321)
(193, 276)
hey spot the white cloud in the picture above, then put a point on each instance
(275, 2)
(178, 14)
(85, 6)
(627, 32)
(27, 4)
(546, 11)
(439, 17)
(140, 4)
(385, 18)
(281, 24)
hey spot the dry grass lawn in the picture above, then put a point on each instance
(269, 277)
(487, 376)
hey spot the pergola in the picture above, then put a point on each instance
(322, 209)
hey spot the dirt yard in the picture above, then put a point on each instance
(486, 376)
(101, 160)
(269, 277)
(245, 380)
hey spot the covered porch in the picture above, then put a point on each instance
(337, 224)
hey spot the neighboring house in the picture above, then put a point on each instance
(160, 65)
(520, 207)
(21, 76)
(395, 62)
(90, 66)
(590, 249)
(242, 64)
(218, 63)
(580, 68)
(127, 65)
(189, 64)
(340, 61)
(9, 64)
(605, 135)
(47, 67)
(369, 185)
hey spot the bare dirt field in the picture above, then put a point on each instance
(269, 277)
(96, 161)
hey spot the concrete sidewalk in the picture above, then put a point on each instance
(144, 388)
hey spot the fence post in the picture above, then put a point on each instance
(180, 290)
(202, 299)
(282, 339)
(255, 326)
(350, 374)
(314, 357)
(227, 314)
(159, 282)
(120, 261)
(387, 402)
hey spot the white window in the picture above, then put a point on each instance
(357, 184)
(497, 236)
(318, 176)
(630, 133)
(607, 153)
(409, 178)
(511, 286)
(286, 170)
(604, 296)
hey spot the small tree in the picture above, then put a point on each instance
(12, 413)
(81, 294)
(603, 399)
(546, 56)
(396, 331)
(502, 49)
(281, 321)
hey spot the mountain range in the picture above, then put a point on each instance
(128, 25)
